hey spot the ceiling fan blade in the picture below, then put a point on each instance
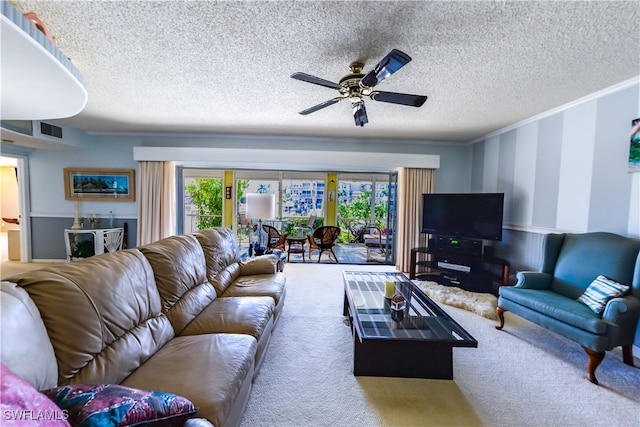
(359, 113)
(398, 98)
(315, 80)
(387, 66)
(321, 105)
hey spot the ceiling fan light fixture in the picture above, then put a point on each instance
(359, 113)
(356, 85)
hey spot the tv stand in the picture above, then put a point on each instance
(456, 246)
(471, 272)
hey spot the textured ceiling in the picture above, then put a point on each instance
(205, 67)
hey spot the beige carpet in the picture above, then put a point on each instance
(481, 304)
(521, 376)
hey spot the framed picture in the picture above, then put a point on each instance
(97, 184)
(634, 147)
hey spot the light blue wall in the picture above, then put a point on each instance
(47, 178)
(51, 213)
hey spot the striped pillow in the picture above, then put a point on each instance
(600, 291)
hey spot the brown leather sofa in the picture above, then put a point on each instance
(182, 315)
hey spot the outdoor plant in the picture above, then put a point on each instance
(206, 194)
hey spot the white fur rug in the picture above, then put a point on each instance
(481, 304)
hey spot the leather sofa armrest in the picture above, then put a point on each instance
(533, 280)
(260, 265)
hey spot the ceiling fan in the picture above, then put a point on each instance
(356, 85)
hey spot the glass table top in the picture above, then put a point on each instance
(422, 319)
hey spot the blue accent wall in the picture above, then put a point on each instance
(580, 176)
(545, 192)
(610, 181)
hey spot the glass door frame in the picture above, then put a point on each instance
(191, 172)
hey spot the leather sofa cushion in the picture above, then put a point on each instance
(245, 315)
(102, 314)
(26, 349)
(209, 370)
(272, 285)
(221, 251)
(181, 276)
(556, 306)
(225, 277)
(260, 265)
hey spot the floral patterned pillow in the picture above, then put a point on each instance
(116, 405)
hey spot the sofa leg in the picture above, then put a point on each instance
(595, 358)
(627, 354)
(500, 311)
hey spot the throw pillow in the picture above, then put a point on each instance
(22, 405)
(600, 291)
(260, 265)
(116, 405)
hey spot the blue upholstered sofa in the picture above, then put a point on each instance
(570, 265)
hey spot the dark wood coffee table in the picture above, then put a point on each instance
(418, 346)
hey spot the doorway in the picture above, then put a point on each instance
(14, 227)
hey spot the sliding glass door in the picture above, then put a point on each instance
(362, 200)
(201, 199)
(364, 208)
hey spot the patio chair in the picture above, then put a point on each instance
(372, 236)
(275, 239)
(324, 239)
(244, 226)
(306, 228)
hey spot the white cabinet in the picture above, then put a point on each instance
(83, 243)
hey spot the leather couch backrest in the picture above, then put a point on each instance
(26, 349)
(222, 257)
(103, 315)
(583, 257)
(181, 276)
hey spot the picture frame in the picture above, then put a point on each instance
(99, 184)
(634, 147)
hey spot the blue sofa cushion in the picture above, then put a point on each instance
(549, 303)
(600, 291)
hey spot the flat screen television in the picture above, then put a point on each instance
(463, 215)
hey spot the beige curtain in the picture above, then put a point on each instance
(156, 206)
(412, 184)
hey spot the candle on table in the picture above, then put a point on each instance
(389, 289)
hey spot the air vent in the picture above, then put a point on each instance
(51, 130)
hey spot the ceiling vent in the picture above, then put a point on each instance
(51, 130)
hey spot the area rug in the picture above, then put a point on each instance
(478, 303)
